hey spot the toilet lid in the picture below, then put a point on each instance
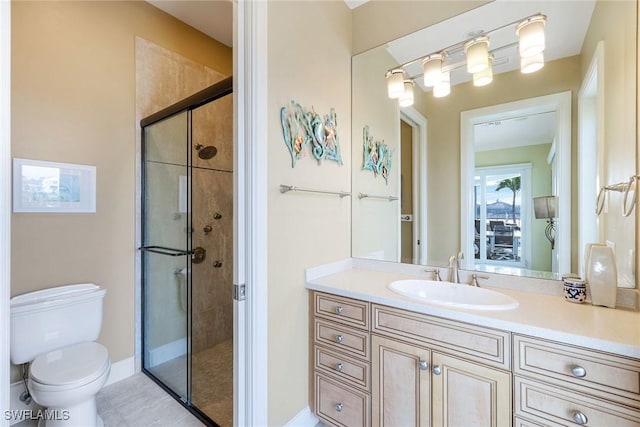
(78, 363)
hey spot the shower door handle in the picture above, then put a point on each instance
(162, 250)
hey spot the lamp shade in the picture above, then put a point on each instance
(432, 69)
(531, 39)
(531, 64)
(395, 83)
(444, 87)
(545, 207)
(484, 77)
(477, 51)
(406, 100)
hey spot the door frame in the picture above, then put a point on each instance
(418, 124)
(250, 321)
(5, 203)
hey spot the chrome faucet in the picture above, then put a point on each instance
(454, 267)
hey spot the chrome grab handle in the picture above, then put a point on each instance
(339, 407)
(423, 365)
(579, 418)
(339, 338)
(437, 370)
(339, 367)
(578, 371)
(339, 309)
(163, 250)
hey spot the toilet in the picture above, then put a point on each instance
(55, 331)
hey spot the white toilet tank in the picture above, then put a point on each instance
(52, 318)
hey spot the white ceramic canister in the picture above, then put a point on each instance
(601, 275)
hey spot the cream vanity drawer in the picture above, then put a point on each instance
(488, 346)
(342, 310)
(342, 338)
(555, 406)
(600, 374)
(344, 368)
(340, 405)
(526, 423)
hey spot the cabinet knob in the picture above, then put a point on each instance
(339, 367)
(423, 365)
(579, 418)
(578, 371)
(339, 338)
(339, 309)
(339, 407)
(437, 370)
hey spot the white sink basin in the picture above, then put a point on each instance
(453, 295)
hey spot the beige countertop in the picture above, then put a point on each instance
(544, 315)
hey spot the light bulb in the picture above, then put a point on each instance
(432, 69)
(395, 83)
(484, 77)
(531, 64)
(531, 38)
(406, 100)
(444, 87)
(477, 51)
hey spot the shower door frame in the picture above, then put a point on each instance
(205, 96)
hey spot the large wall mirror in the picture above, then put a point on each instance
(508, 173)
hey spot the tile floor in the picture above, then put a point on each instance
(136, 402)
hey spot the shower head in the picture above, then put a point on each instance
(207, 152)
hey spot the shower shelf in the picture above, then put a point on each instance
(287, 188)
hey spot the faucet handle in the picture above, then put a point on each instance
(435, 272)
(475, 277)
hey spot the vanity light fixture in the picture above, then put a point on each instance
(406, 100)
(478, 59)
(395, 83)
(477, 51)
(432, 69)
(531, 64)
(484, 77)
(545, 207)
(531, 39)
(443, 88)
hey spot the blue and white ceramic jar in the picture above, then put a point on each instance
(575, 290)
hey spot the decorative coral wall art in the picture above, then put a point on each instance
(302, 128)
(376, 155)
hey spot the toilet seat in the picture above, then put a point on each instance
(71, 366)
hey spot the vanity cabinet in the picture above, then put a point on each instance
(557, 384)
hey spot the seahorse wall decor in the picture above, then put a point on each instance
(376, 155)
(301, 128)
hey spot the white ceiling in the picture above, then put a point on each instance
(515, 132)
(212, 17)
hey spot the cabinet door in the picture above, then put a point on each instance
(468, 394)
(400, 384)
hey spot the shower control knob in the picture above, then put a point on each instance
(217, 215)
(207, 229)
(217, 264)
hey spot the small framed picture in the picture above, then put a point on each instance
(40, 186)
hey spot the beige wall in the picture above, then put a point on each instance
(536, 155)
(309, 62)
(614, 22)
(375, 227)
(73, 100)
(444, 140)
(379, 21)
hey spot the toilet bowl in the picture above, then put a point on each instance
(55, 330)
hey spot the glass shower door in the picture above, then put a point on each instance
(166, 252)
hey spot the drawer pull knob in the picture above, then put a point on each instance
(437, 370)
(339, 309)
(424, 365)
(339, 367)
(339, 338)
(339, 407)
(578, 371)
(579, 418)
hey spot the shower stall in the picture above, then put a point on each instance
(187, 252)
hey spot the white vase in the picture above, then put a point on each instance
(601, 275)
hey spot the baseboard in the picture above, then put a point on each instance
(170, 351)
(304, 418)
(121, 370)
